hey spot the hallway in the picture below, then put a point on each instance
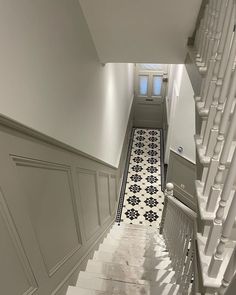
(97, 98)
(143, 200)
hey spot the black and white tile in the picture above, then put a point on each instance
(143, 199)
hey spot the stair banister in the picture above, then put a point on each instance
(213, 66)
(213, 187)
(214, 31)
(208, 32)
(198, 34)
(220, 90)
(202, 35)
(168, 192)
(218, 256)
(216, 227)
(213, 89)
(179, 231)
(229, 274)
(213, 53)
(209, 10)
(211, 32)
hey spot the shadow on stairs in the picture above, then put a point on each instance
(132, 259)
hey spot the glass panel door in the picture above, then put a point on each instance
(156, 85)
(143, 85)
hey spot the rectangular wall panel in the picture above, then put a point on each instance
(182, 174)
(89, 200)
(113, 193)
(16, 277)
(104, 197)
(51, 206)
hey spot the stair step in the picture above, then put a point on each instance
(135, 251)
(87, 281)
(131, 274)
(135, 228)
(130, 260)
(134, 243)
(138, 238)
(136, 233)
(81, 291)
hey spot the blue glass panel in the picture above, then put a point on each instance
(143, 85)
(157, 81)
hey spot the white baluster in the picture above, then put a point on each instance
(222, 82)
(219, 60)
(203, 34)
(198, 33)
(213, 35)
(229, 273)
(218, 147)
(210, 33)
(218, 257)
(209, 10)
(217, 223)
(169, 191)
(216, 50)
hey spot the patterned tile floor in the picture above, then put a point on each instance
(143, 198)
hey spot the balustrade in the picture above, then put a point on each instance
(178, 228)
(215, 56)
(229, 274)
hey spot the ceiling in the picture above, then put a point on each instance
(153, 31)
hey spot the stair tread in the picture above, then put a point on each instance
(135, 233)
(139, 239)
(135, 226)
(146, 262)
(118, 287)
(135, 251)
(82, 291)
(134, 243)
(131, 274)
(135, 230)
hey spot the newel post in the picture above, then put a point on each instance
(169, 191)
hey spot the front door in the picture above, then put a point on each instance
(150, 90)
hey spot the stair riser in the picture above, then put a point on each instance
(129, 274)
(121, 288)
(136, 239)
(135, 251)
(146, 263)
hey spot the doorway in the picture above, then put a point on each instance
(150, 92)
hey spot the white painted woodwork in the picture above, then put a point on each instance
(51, 215)
(104, 205)
(87, 184)
(215, 46)
(178, 226)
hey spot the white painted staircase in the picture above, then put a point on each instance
(133, 259)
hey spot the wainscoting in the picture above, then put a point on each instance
(56, 205)
(181, 172)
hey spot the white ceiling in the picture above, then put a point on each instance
(153, 31)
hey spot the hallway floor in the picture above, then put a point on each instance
(143, 199)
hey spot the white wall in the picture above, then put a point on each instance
(181, 114)
(52, 81)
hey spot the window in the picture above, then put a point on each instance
(156, 88)
(151, 67)
(143, 85)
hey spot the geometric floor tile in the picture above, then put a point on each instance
(143, 198)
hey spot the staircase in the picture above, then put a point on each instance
(132, 259)
(138, 259)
